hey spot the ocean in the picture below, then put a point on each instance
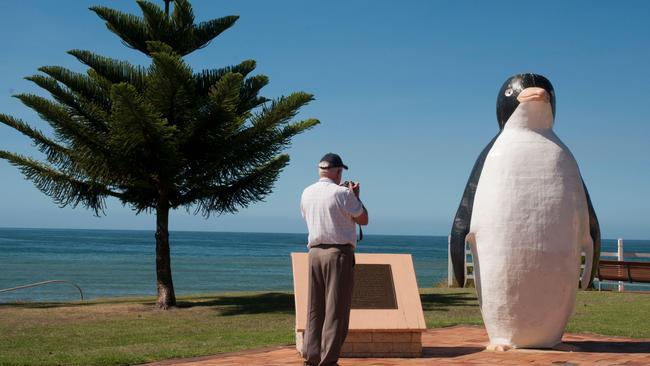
(108, 263)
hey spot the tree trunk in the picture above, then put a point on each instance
(167, 7)
(166, 296)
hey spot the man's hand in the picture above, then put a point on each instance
(355, 187)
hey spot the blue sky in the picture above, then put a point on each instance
(405, 91)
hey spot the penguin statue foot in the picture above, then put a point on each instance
(498, 347)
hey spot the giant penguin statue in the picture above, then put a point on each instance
(527, 216)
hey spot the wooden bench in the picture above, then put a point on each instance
(623, 271)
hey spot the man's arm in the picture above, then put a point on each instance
(363, 218)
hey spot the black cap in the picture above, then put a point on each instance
(331, 160)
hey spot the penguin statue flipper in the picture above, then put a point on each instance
(594, 231)
(462, 220)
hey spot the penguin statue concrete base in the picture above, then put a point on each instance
(531, 219)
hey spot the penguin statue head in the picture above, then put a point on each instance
(520, 88)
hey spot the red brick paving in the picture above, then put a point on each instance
(462, 345)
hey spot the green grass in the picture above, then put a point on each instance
(607, 313)
(118, 332)
(128, 331)
(611, 313)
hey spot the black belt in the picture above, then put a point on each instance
(325, 246)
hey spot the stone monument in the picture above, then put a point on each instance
(386, 319)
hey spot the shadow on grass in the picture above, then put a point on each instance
(442, 302)
(272, 302)
(48, 305)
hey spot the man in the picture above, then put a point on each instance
(331, 212)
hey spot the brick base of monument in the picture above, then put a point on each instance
(376, 343)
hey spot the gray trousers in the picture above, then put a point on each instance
(331, 278)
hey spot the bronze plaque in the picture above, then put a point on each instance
(373, 287)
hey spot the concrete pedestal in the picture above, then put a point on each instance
(398, 344)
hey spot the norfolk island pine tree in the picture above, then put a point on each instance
(159, 137)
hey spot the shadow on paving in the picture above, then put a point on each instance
(608, 347)
(441, 302)
(444, 352)
(272, 302)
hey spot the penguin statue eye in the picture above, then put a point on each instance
(508, 92)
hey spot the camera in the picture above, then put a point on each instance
(346, 184)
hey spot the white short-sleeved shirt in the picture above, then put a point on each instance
(328, 210)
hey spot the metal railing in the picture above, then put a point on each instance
(44, 283)
(469, 263)
(620, 255)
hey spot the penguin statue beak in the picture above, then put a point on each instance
(534, 94)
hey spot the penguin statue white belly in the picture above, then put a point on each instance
(529, 225)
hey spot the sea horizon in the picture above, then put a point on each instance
(196, 231)
(111, 262)
(121, 262)
(253, 232)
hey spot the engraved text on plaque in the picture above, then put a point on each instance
(373, 287)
